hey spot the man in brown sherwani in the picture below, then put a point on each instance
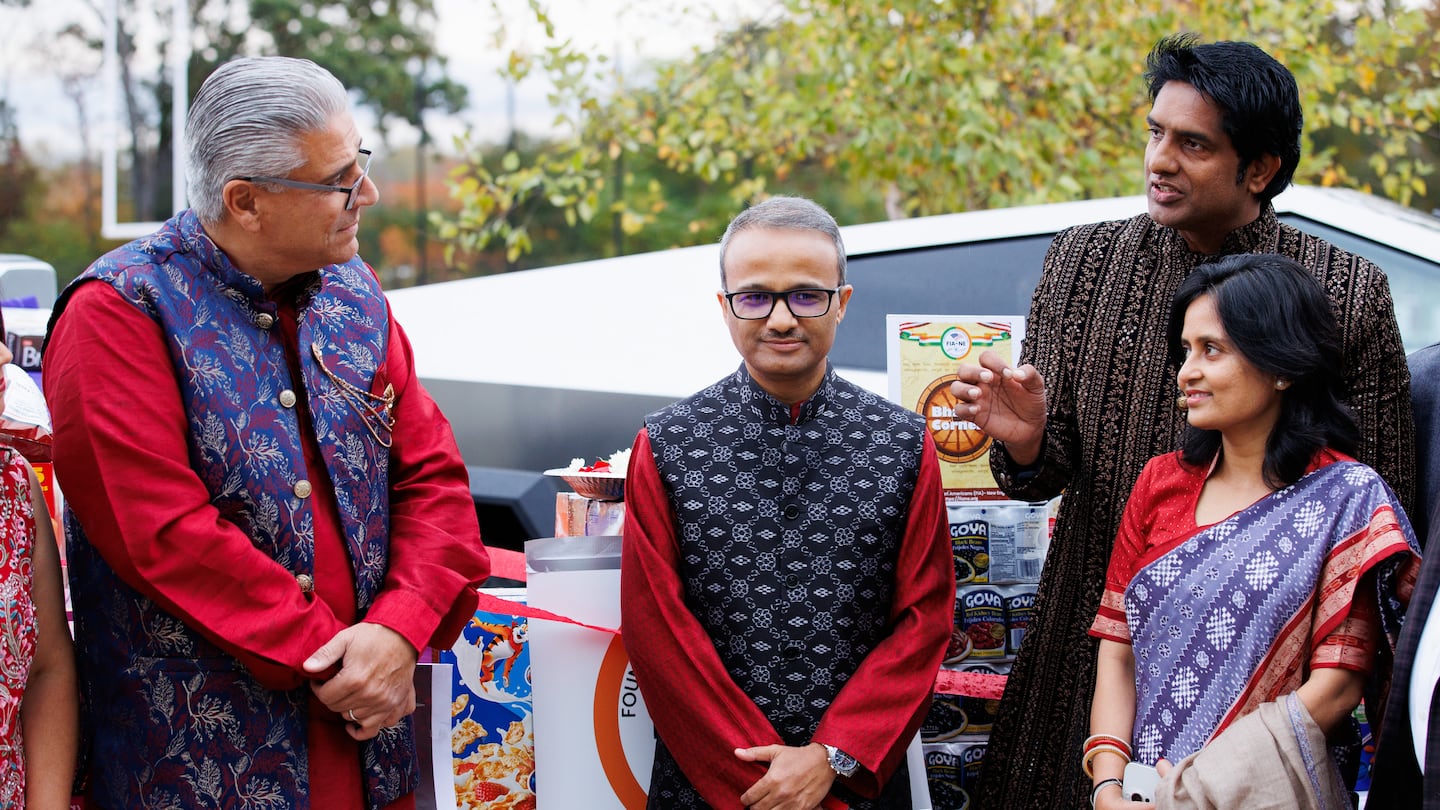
(1094, 396)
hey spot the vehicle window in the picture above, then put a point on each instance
(1414, 281)
(994, 277)
(997, 277)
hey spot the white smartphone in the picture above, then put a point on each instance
(1140, 783)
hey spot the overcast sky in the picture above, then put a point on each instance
(31, 63)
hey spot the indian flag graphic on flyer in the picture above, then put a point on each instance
(923, 352)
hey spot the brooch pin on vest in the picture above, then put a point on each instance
(373, 409)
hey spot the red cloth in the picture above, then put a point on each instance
(1160, 515)
(149, 515)
(698, 707)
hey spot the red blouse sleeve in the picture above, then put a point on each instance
(436, 556)
(122, 457)
(880, 708)
(1131, 542)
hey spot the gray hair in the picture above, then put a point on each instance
(791, 213)
(247, 120)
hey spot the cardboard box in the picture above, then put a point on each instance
(433, 691)
(578, 516)
(592, 729)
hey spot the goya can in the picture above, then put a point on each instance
(970, 543)
(946, 719)
(1019, 612)
(981, 614)
(971, 757)
(942, 774)
(980, 713)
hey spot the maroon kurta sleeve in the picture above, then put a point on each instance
(122, 457)
(436, 557)
(880, 708)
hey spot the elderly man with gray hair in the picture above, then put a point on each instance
(268, 516)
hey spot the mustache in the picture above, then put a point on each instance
(788, 334)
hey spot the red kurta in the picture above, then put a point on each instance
(150, 516)
(699, 708)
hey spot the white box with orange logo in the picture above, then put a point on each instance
(594, 741)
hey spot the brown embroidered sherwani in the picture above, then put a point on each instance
(1096, 331)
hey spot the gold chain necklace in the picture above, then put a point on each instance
(373, 409)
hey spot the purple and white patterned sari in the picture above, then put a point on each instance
(1236, 614)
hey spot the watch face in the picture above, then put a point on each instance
(843, 763)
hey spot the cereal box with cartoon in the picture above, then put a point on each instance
(491, 718)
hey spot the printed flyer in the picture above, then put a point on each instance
(923, 352)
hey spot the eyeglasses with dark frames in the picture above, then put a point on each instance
(755, 305)
(352, 191)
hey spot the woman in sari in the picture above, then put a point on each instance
(1257, 570)
(39, 726)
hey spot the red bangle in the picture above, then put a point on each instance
(1095, 740)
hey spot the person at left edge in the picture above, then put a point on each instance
(269, 516)
(38, 705)
(787, 588)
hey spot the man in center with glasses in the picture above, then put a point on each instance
(269, 517)
(787, 588)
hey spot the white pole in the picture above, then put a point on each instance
(180, 54)
(110, 76)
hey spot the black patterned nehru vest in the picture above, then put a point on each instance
(788, 537)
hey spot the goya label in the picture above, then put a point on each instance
(942, 773)
(970, 543)
(970, 759)
(982, 617)
(1019, 612)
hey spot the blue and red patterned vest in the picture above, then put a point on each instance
(789, 535)
(171, 719)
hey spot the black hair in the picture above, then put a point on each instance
(1280, 320)
(1257, 96)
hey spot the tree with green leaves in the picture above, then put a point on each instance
(937, 107)
(382, 50)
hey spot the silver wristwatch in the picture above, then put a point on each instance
(840, 762)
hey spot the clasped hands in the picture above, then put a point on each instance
(375, 687)
(799, 778)
(1007, 403)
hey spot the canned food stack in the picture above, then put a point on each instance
(999, 549)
